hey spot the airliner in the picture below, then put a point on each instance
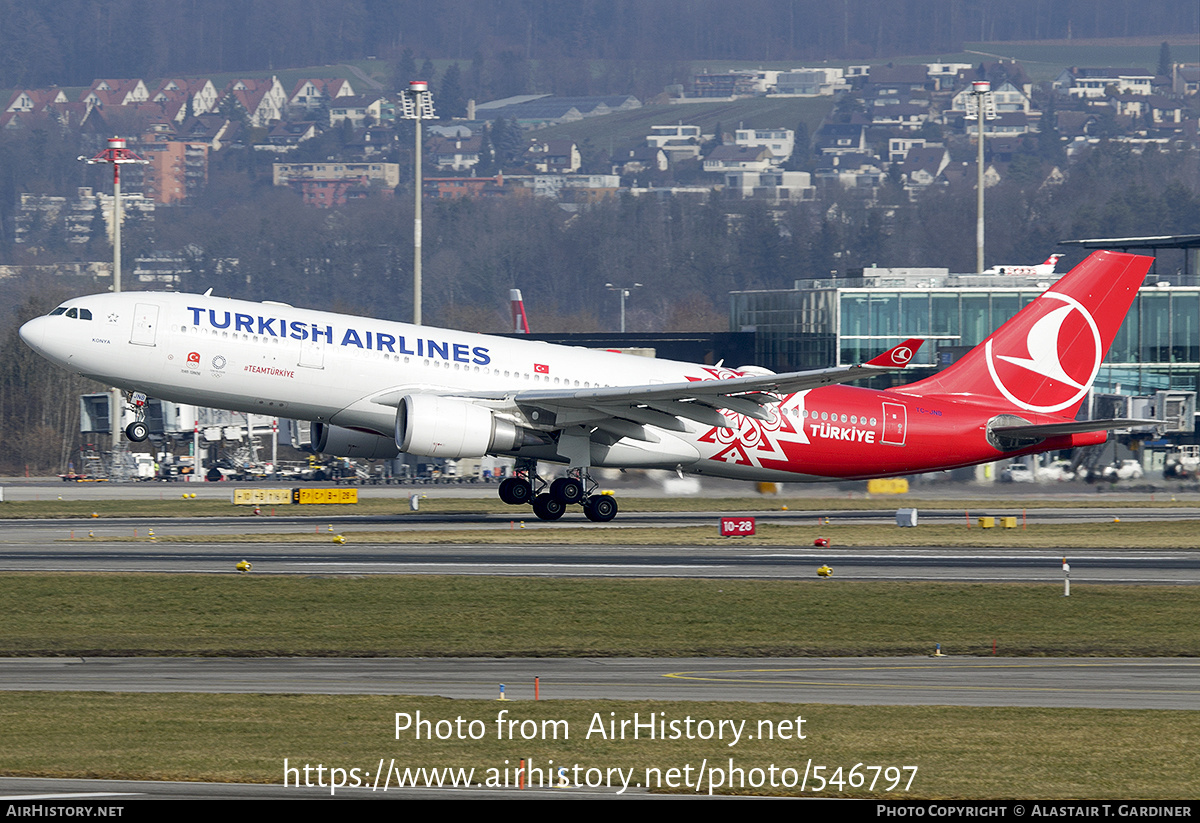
(1044, 269)
(376, 388)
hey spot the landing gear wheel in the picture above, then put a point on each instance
(137, 431)
(600, 508)
(568, 490)
(546, 507)
(515, 491)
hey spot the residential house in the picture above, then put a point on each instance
(921, 167)
(374, 143)
(361, 110)
(896, 80)
(29, 100)
(774, 186)
(1005, 97)
(334, 184)
(309, 95)
(945, 75)
(455, 154)
(645, 158)
(215, 130)
(819, 82)
(850, 171)
(780, 142)
(115, 93)
(263, 99)
(1095, 82)
(681, 141)
(557, 156)
(899, 147)
(202, 94)
(747, 158)
(841, 138)
(728, 84)
(286, 136)
(449, 187)
(905, 117)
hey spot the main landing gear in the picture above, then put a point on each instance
(137, 431)
(550, 500)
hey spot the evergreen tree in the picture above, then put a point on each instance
(451, 100)
(404, 70)
(1165, 65)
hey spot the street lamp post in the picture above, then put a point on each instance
(417, 104)
(624, 291)
(981, 106)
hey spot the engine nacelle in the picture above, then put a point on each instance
(340, 442)
(437, 426)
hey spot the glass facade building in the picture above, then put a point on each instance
(849, 320)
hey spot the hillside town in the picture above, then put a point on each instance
(334, 140)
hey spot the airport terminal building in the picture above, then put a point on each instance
(846, 320)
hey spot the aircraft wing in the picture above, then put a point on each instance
(624, 410)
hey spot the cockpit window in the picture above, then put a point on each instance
(75, 313)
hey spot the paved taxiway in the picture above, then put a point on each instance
(47, 546)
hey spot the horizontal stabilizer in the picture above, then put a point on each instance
(1072, 427)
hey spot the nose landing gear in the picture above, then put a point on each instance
(137, 431)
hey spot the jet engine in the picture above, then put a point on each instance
(437, 426)
(342, 442)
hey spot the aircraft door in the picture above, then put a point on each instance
(312, 354)
(145, 324)
(895, 423)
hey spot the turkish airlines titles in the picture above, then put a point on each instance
(371, 340)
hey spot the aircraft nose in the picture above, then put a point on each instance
(33, 333)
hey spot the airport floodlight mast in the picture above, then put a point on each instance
(624, 291)
(417, 104)
(981, 105)
(118, 154)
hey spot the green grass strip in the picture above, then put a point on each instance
(959, 752)
(404, 616)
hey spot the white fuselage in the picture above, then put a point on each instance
(343, 370)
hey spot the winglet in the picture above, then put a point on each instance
(897, 357)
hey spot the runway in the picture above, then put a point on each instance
(1172, 684)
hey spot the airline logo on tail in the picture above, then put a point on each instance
(1045, 358)
(1062, 347)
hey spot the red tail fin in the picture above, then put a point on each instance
(1045, 358)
